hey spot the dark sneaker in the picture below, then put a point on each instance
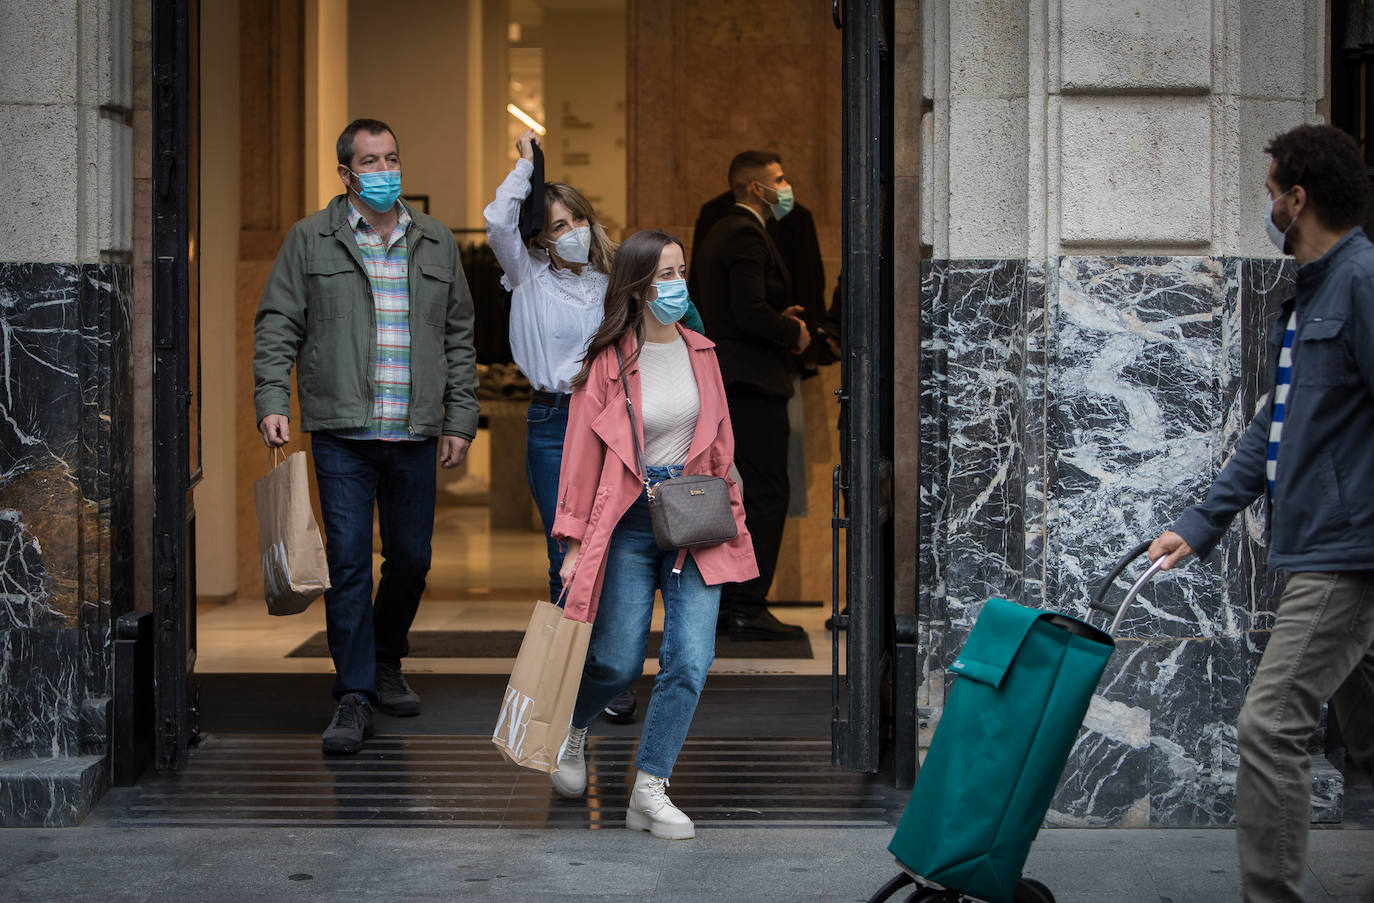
(352, 725)
(394, 695)
(621, 709)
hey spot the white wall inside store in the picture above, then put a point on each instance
(326, 97)
(584, 83)
(216, 494)
(410, 70)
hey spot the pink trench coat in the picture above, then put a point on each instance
(599, 480)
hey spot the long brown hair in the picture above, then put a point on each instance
(602, 250)
(632, 272)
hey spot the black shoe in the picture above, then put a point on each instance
(352, 725)
(621, 710)
(840, 623)
(763, 626)
(394, 695)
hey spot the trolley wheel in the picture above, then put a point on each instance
(891, 887)
(1028, 890)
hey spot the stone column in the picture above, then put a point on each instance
(1092, 320)
(65, 107)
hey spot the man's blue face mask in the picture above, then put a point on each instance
(379, 189)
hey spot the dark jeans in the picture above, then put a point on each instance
(760, 424)
(398, 477)
(545, 428)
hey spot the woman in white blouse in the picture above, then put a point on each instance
(557, 282)
(558, 285)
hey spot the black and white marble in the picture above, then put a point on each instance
(1070, 410)
(65, 525)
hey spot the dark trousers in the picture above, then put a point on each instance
(760, 423)
(353, 476)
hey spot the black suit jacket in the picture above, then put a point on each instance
(742, 286)
(800, 249)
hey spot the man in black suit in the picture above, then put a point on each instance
(794, 235)
(744, 292)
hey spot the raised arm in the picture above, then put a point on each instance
(503, 221)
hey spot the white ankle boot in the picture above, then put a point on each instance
(651, 810)
(570, 779)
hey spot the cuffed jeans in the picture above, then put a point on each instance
(1322, 647)
(545, 428)
(635, 567)
(398, 478)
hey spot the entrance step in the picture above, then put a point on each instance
(463, 781)
(55, 792)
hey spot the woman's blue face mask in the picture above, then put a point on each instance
(671, 302)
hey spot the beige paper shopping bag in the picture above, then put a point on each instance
(294, 569)
(538, 704)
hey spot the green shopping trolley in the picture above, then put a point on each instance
(1023, 683)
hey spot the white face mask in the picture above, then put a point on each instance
(1278, 236)
(573, 246)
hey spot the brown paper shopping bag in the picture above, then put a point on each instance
(294, 570)
(538, 705)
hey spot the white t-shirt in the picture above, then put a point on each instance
(669, 401)
(553, 312)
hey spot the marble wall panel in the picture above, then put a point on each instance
(65, 535)
(1132, 404)
(973, 468)
(1084, 404)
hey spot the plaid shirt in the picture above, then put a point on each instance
(384, 259)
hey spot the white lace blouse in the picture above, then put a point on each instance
(554, 313)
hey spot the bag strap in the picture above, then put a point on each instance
(634, 431)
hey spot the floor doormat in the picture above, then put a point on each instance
(506, 644)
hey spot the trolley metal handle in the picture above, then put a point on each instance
(1120, 610)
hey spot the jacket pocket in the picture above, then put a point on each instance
(1320, 357)
(435, 285)
(330, 282)
(1312, 515)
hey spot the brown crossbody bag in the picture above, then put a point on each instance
(689, 511)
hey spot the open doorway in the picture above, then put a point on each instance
(280, 81)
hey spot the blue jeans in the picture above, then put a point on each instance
(635, 567)
(398, 478)
(545, 428)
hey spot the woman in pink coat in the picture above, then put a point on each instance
(613, 567)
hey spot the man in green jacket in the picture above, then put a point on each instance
(367, 297)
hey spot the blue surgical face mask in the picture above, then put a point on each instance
(671, 302)
(783, 205)
(1278, 236)
(379, 189)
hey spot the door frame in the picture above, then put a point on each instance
(176, 466)
(862, 723)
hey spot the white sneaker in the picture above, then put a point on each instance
(570, 779)
(651, 810)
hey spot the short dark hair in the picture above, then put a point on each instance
(344, 146)
(744, 168)
(1329, 166)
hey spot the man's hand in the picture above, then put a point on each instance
(276, 430)
(1170, 545)
(525, 144)
(453, 450)
(569, 561)
(804, 335)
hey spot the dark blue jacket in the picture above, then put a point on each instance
(1322, 513)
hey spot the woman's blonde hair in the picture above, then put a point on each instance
(602, 250)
